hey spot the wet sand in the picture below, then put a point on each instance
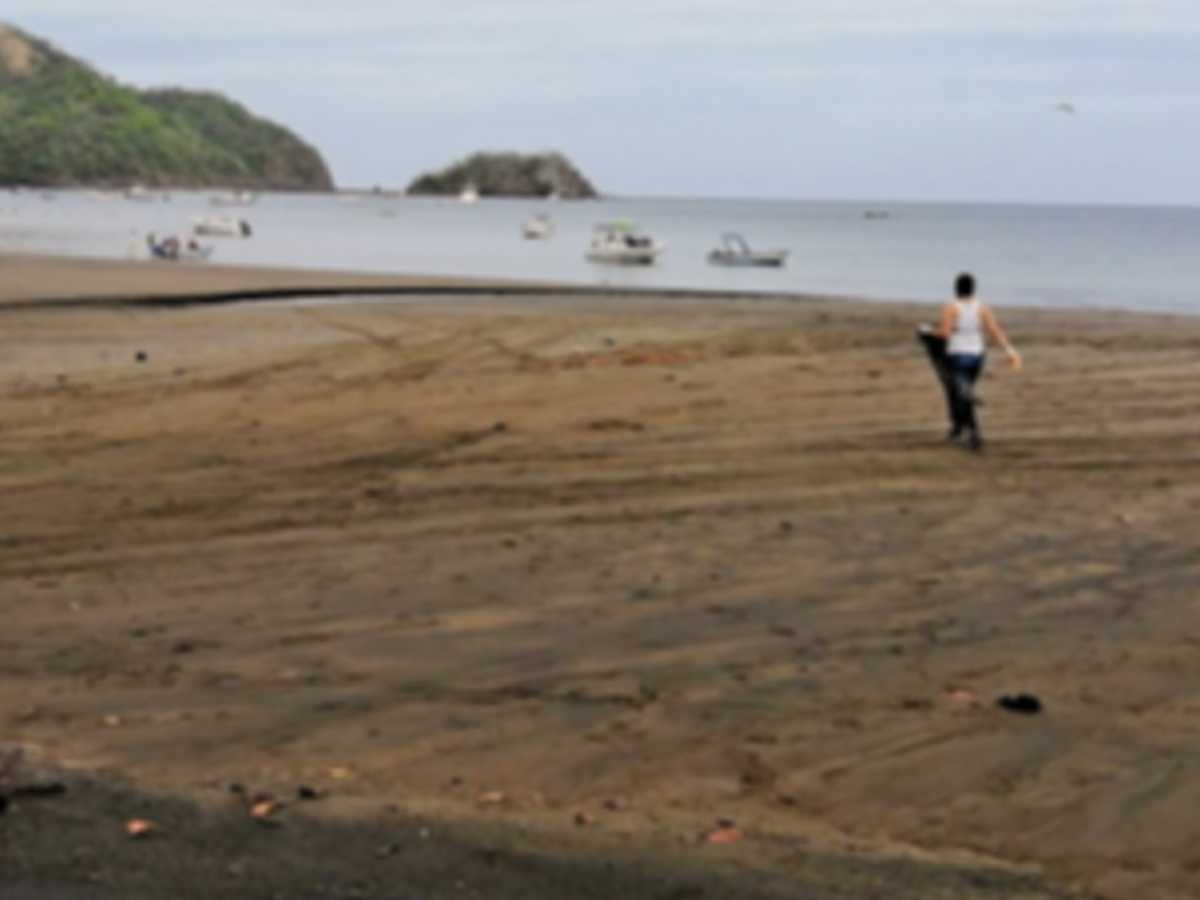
(71, 281)
(534, 591)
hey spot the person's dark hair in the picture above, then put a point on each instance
(964, 285)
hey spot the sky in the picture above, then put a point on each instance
(928, 100)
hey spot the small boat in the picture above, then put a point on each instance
(141, 194)
(221, 226)
(620, 242)
(469, 194)
(734, 251)
(173, 249)
(234, 198)
(540, 226)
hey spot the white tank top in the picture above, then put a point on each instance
(967, 337)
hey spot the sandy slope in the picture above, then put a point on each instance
(656, 562)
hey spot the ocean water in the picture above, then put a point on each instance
(1140, 258)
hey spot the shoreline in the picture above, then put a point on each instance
(55, 281)
(152, 282)
(591, 575)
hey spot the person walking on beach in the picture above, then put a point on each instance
(965, 325)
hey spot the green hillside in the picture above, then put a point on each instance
(63, 123)
(508, 175)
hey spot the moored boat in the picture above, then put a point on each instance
(175, 249)
(234, 198)
(142, 194)
(620, 242)
(538, 227)
(735, 251)
(221, 226)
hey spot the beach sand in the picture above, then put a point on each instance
(535, 592)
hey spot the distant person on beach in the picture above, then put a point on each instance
(965, 325)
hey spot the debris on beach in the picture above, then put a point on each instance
(264, 811)
(43, 788)
(139, 829)
(491, 798)
(637, 355)
(1026, 704)
(614, 424)
(261, 806)
(725, 834)
(17, 781)
(386, 850)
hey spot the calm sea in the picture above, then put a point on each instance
(1064, 256)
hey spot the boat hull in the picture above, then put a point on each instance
(764, 260)
(222, 227)
(618, 243)
(624, 258)
(537, 229)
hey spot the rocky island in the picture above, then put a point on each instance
(509, 175)
(66, 124)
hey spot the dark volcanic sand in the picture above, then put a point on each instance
(488, 567)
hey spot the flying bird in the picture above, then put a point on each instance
(1066, 108)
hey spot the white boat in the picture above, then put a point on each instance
(234, 198)
(143, 195)
(735, 251)
(174, 249)
(221, 226)
(469, 194)
(538, 227)
(621, 242)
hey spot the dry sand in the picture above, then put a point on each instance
(535, 591)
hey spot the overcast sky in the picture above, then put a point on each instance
(856, 99)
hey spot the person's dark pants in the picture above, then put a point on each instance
(964, 370)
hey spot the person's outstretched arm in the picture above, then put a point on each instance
(1000, 337)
